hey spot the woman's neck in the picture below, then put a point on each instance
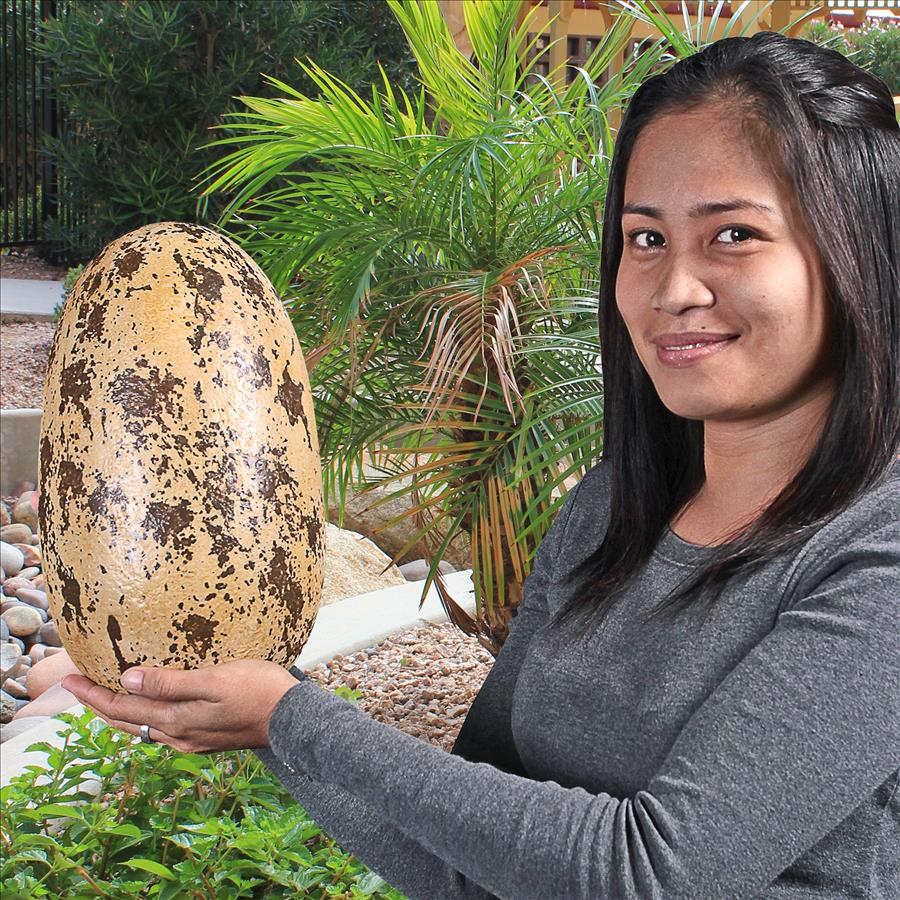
(747, 464)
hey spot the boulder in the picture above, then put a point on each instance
(358, 517)
(49, 671)
(20, 726)
(52, 701)
(354, 565)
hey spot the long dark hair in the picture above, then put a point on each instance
(835, 140)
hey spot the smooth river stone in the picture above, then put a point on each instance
(13, 585)
(31, 556)
(10, 661)
(37, 599)
(11, 559)
(50, 634)
(26, 510)
(16, 534)
(15, 690)
(22, 620)
(8, 707)
(36, 652)
(29, 572)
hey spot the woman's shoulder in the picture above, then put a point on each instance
(590, 497)
(865, 534)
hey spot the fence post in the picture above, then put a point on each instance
(49, 187)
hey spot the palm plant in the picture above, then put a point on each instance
(438, 257)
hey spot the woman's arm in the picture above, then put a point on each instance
(486, 736)
(384, 848)
(801, 730)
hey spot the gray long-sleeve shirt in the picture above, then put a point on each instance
(756, 754)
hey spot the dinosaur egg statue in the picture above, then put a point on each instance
(181, 510)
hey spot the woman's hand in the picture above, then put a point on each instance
(223, 707)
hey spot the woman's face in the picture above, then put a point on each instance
(719, 284)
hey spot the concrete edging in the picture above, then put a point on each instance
(20, 438)
(341, 628)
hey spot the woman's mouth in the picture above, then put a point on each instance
(684, 349)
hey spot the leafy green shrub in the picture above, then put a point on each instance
(68, 283)
(874, 46)
(163, 824)
(140, 83)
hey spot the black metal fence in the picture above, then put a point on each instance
(27, 112)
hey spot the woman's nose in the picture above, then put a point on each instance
(682, 286)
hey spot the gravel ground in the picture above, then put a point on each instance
(421, 681)
(22, 263)
(24, 348)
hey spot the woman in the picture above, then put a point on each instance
(699, 696)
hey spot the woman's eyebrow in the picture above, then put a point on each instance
(701, 210)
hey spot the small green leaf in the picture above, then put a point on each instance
(184, 764)
(150, 865)
(125, 830)
(59, 810)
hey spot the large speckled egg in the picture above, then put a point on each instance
(181, 510)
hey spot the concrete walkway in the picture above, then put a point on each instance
(340, 628)
(24, 299)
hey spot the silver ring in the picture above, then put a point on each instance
(145, 735)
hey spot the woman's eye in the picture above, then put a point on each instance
(646, 240)
(735, 234)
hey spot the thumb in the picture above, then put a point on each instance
(160, 683)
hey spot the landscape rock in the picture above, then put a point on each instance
(37, 599)
(360, 518)
(15, 690)
(50, 634)
(417, 570)
(31, 556)
(49, 671)
(20, 726)
(15, 534)
(52, 701)
(11, 559)
(5, 515)
(29, 572)
(22, 620)
(13, 585)
(354, 565)
(10, 661)
(26, 510)
(8, 707)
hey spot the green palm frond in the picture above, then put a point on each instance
(437, 254)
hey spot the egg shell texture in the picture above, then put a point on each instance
(181, 493)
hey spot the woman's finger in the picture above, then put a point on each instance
(129, 708)
(155, 735)
(161, 683)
